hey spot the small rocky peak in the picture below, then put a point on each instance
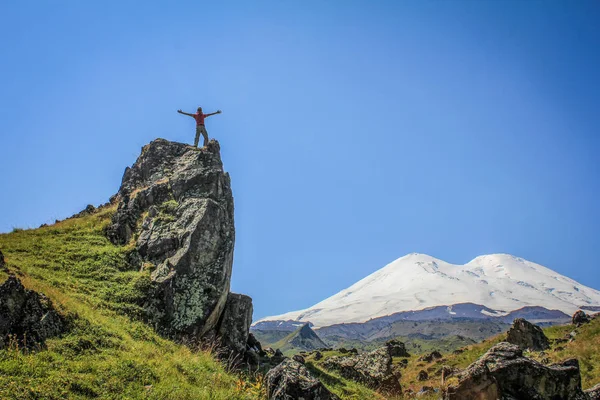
(527, 335)
(306, 332)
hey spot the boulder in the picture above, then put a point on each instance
(397, 348)
(318, 355)
(26, 316)
(290, 380)
(527, 336)
(235, 322)
(422, 376)
(176, 203)
(434, 355)
(298, 358)
(580, 318)
(373, 369)
(594, 392)
(503, 373)
(2, 262)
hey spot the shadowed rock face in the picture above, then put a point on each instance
(290, 380)
(176, 203)
(527, 335)
(26, 315)
(235, 322)
(503, 373)
(372, 369)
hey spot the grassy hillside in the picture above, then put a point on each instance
(585, 347)
(107, 352)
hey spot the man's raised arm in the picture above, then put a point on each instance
(218, 112)
(184, 113)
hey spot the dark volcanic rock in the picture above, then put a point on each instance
(176, 203)
(290, 380)
(527, 335)
(580, 318)
(235, 322)
(2, 262)
(422, 376)
(372, 369)
(27, 315)
(397, 348)
(503, 373)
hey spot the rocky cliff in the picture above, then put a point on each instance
(175, 207)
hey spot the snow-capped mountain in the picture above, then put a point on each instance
(500, 282)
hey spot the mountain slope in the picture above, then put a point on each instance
(500, 282)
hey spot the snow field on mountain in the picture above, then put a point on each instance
(416, 281)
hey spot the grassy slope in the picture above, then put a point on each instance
(107, 353)
(586, 348)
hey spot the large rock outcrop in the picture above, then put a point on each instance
(527, 336)
(373, 369)
(176, 203)
(290, 380)
(26, 316)
(503, 373)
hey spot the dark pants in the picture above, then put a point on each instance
(200, 129)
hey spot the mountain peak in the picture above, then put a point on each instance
(500, 282)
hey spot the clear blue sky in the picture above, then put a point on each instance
(355, 132)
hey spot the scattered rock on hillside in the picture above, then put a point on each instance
(291, 380)
(176, 203)
(527, 335)
(88, 210)
(397, 348)
(425, 390)
(594, 393)
(434, 355)
(318, 355)
(503, 373)
(373, 369)
(580, 318)
(298, 358)
(26, 315)
(2, 262)
(422, 376)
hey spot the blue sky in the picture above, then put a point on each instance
(355, 132)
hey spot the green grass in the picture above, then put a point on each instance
(108, 353)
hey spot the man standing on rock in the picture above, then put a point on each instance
(200, 129)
